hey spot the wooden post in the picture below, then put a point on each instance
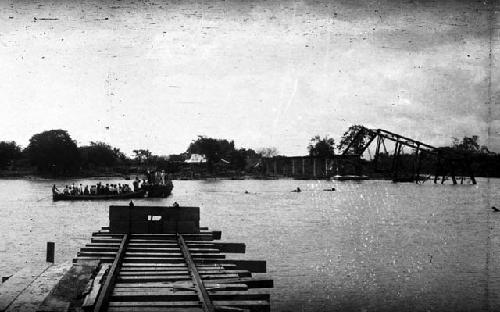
(293, 166)
(395, 161)
(51, 246)
(437, 171)
(462, 172)
(416, 175)
(377, 152)
(472, 178)
(452, 172)
(326, 167)
(303, 166)
(314, 167)
(444, 171)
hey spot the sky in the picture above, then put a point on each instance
(156, 74)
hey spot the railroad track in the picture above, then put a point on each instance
(171, 272)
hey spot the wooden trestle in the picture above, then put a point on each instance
(171, 272)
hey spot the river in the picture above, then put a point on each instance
(368, 246)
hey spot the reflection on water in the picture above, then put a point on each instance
(369, 246)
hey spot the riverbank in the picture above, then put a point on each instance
(106, 173)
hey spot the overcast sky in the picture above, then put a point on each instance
(155, 74)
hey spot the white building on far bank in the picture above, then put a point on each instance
(196, 159)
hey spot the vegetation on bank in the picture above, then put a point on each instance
(54, 153)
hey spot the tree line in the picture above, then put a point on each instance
(54, 152)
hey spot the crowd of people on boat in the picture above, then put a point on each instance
(98, 189)
(153, 178)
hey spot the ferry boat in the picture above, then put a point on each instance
(145, 191)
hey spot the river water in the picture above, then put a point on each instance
(368, 246)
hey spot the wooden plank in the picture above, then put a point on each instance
(100, 249)
(161, 249)
(117, 245)
(154, 309)
(255, 266)
(169, 295)
(240, 273)
(170, 278)
(87, 259)
(172, 295)
(91, 297)
(110, 278)
(222, 246)
(139, 305)
(172, 237)
(104, 240)
(251, 282)
(153, 264)
(154, 249)
(187, 285)
(169, 268)
(147, 279)
(128, 265)
(166, 304)
(153, 245)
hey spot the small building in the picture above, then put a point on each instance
(196, 159)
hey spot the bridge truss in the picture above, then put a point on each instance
(447, 162)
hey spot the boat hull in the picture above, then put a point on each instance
(138, 194)
(349, 178)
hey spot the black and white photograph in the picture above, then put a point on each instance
(249, 155)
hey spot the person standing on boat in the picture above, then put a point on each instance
(162, 177)
(149, 177)
(136, 184)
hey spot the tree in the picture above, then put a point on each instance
(468, 144)
(268, 152)
(9, 151)
(54, 151)
(355, 138)
(321, 147)
(142, 155)
(238, 159)
(100, 154)
(213, 149)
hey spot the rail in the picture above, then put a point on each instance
(198, 283)
(103, 298)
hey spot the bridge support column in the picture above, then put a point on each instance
(438, 169)
(377, 152)
(395, 161)
(314, 167)
(416, 174)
